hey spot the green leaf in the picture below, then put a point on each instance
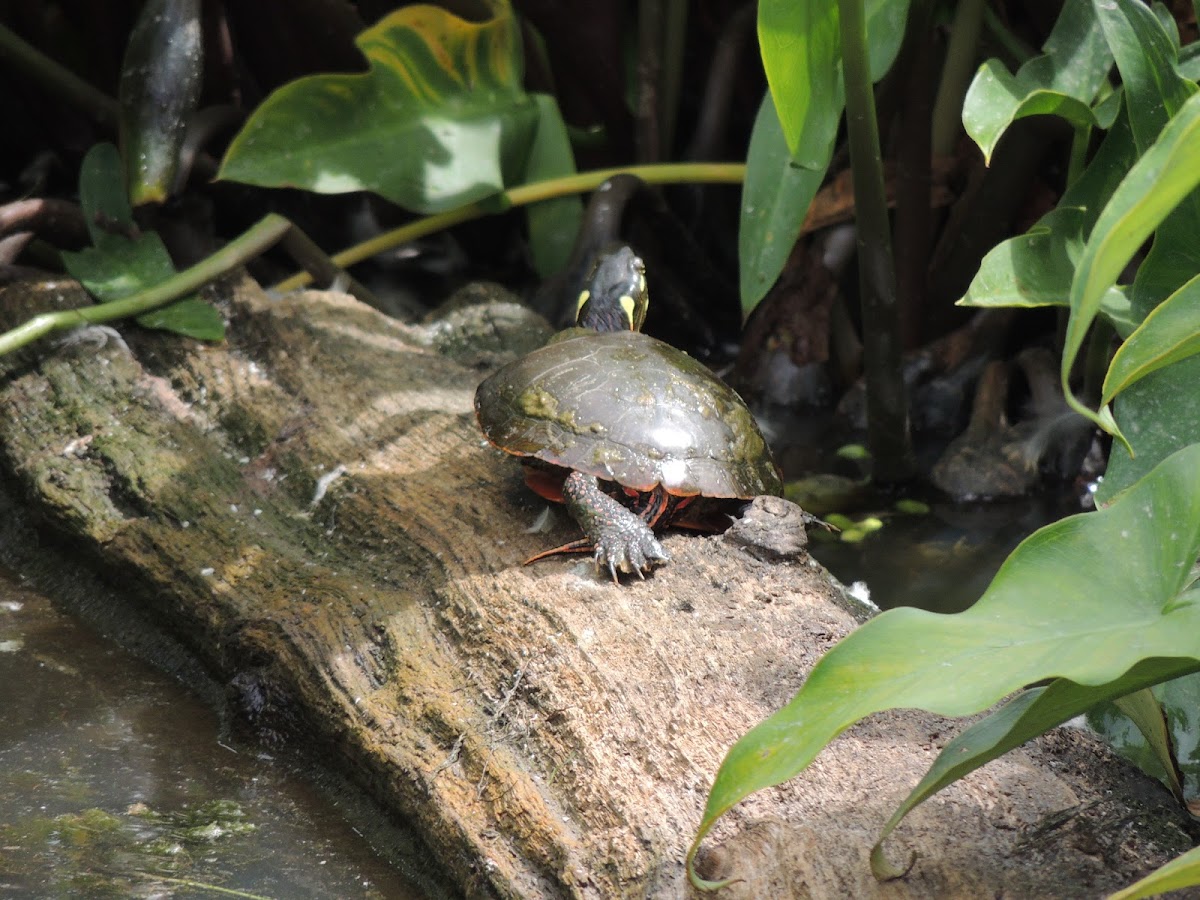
(1042, 617)
(1023, 717)
(1170, 333)
(553, 223)
(1166, 742)
(1180, 701)
(190, 317)
(1147, 715)
(1146, 55)
(775, 200)
(1157, 183)
(1181, 872)
(1147, 59)
(1160, 414)
(792, 142)
(801, 52)
(996, 99)
(440, 119)
(1063, 81)
(1135, 727)
(123, 261)
(161, 77)
(1036, 268)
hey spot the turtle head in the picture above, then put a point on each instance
(615, 297)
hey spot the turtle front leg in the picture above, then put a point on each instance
(621, 539)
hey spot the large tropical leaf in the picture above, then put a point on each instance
(553, 223)
(1041, 618)
(438, 121)
(1169, 334)
(1025, 716)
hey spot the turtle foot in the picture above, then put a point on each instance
(636, 550)
(622, 540)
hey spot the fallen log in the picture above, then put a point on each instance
(311, 510)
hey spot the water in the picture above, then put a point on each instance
(114, 783)
(941, 561)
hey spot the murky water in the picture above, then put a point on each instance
(943, 560)
(114, 783)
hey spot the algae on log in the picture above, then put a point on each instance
(311, 510)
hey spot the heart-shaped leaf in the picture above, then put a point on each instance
(1036, 268)
(438, 121)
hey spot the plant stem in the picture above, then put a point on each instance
(55, 77)
(250, 244)
(272, 228)
(708, 173)
(957, 72)
(1020, 52)
(887, 404)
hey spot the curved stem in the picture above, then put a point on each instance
(710, 173)
(236, 253)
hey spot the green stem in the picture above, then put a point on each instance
(695, 173)
(55, 77)
(887, 405)
(271, 228)
(674, 46)
(957, 73)
(236, 253)
(1017, 49)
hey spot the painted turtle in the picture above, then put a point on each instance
(606, 412)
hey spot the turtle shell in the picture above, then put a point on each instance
(628, 408)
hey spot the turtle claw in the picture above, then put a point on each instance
(635, 550)
(623, 541)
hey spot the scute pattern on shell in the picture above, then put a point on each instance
(628, 408)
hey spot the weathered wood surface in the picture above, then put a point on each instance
(548, 733)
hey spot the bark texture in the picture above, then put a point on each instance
(310, 508)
